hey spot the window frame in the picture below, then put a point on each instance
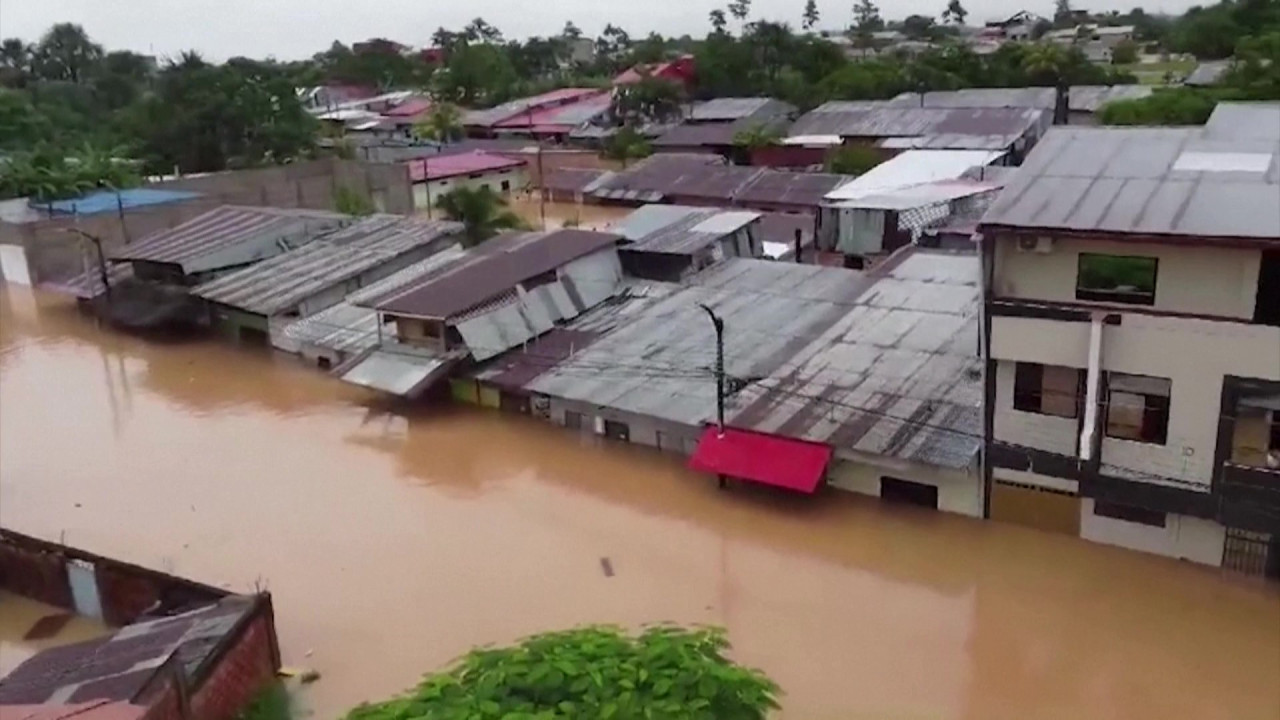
(1131, 514)
(573, 419)
(1151, 403)
(1023, 370)
(1124, 297)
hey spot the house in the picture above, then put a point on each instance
(407, 113)
(1133, 338)
(555, 122)
(671, 242)
(822, 383)
(578, 50)
(1083, 101)
(680, 70)
(570, 185)
(892, 204)
(698, 179)
(260, 300)
(434, 176)
(505, 292)
(1018, 27)
(481, 123)
(891, 129)
(146, 645)
(712, 126)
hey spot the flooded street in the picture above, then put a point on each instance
(587, 217)
(393, 541)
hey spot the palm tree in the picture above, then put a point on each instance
(1051, 64)
(443, 124)
(482, 211)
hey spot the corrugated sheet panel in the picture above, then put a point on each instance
(399, 370)
(227, 227)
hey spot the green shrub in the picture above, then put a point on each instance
(591, 673)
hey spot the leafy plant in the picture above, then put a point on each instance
(273, 703)
(349, 201)
(443, 124)
(852, 160)
(626, 145)
(483, 212)
(591, 673)
(757, 136)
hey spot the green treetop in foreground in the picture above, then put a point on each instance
(591, 673)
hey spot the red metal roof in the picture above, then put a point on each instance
(769, 459)
(438, 168)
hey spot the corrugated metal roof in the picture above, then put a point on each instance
(119, 666)
(1000, 127)
(913, 167)
(571, 180)
(494, 115)
(1081, 98)
(281, 283)
(730, 109)
(677, 229)
(226, 227)
(1255, 121)
(1126, 180)
(781, 228)
(560, 117)
(349, 328)
(917, 196)
(494, 267)
(896, 374)
(772, 187)
(1208, 73)
(706, 178)
(439, 167)
(400, 370)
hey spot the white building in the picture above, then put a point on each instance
(435, 176)
(1132, 327)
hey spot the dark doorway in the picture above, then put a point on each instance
(254, 336)
(1267, 309)
(617, 431)
(908, 493)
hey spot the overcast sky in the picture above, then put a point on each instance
(291, 29)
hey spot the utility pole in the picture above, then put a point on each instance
(542, 195)
(718, 323)
(102, 259)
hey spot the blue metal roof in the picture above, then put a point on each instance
(106, 201)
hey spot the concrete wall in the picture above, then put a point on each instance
(1182, 537)
(674, 437)
(53, 254)
(1044, 432)
(958, 491)
(1194, 355)
(1214, 281)
(516, 178)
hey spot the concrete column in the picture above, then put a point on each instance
(1092, 382)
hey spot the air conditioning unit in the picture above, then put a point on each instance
(1042, 245)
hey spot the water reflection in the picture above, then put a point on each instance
(395, 538)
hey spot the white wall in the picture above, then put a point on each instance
(1043, 432)
(518, 178)
(13, 265)
(958, 491)
(1200, 280)
(1182, 537)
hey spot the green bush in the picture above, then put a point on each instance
(591, 673)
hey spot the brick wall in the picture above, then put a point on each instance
(246, 665)
(38, 575)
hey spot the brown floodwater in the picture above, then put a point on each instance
(395, 539)
(587, 217)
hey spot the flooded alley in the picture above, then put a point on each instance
(393, 539)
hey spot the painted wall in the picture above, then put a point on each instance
(958, 491)
(1182, 537)
(517, 179)
(1044, 432)
(1194, 354)
(1199, 280)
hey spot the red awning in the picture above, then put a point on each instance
(769, 459)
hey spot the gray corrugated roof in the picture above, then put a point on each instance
(281, 283)
(677, 229)
(351, 328)
(226, 227)
(729, 109)
(1082, 98)
(856, 119)
(1255, 121)
(896, 374)
(1146, 181)
(1208, 73)
(706, 178)
(716, 134)
(491, 269)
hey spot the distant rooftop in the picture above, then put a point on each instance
(730, 109)
(1081, 98)
(913, 167)
(916, 127)
(508, 110)
(1220, 181)
(439, 167)
(677, 229)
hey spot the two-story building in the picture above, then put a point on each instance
(1132, 339)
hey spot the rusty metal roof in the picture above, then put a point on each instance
(707, 178)
(283, 282)
(119, 666)
(494, 115)
(572, 180)
(494, 267)
(1081, 98)
(1193, 182)
(940, 128)
(227, 227)
(790, 188)
(649, 179)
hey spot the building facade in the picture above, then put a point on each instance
(1133, 370)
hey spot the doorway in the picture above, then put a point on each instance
(908, 493)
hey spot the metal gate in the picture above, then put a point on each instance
(1246, 551)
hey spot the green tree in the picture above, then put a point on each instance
(919, 27)
(477, 75)
(65, 53)
(955, 13)
(718, 21)
(595, 673)
(349, 201)
(652, 99)
(740, 9)
(626, 145)
(852, 160)
(810, 16)
(443, 124)
(1124, 53)
(483, 212)
(570, 30)
(480, 31)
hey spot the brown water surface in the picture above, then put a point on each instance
(394, 540)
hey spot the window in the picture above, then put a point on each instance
(573, 420)
(1256, 440)
(1129, 513)
(1116, 278)
(1047, 389)
(506, 185)
(1138, 408)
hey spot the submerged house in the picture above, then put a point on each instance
(504, 293)
(670, 242)
(260, 300)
